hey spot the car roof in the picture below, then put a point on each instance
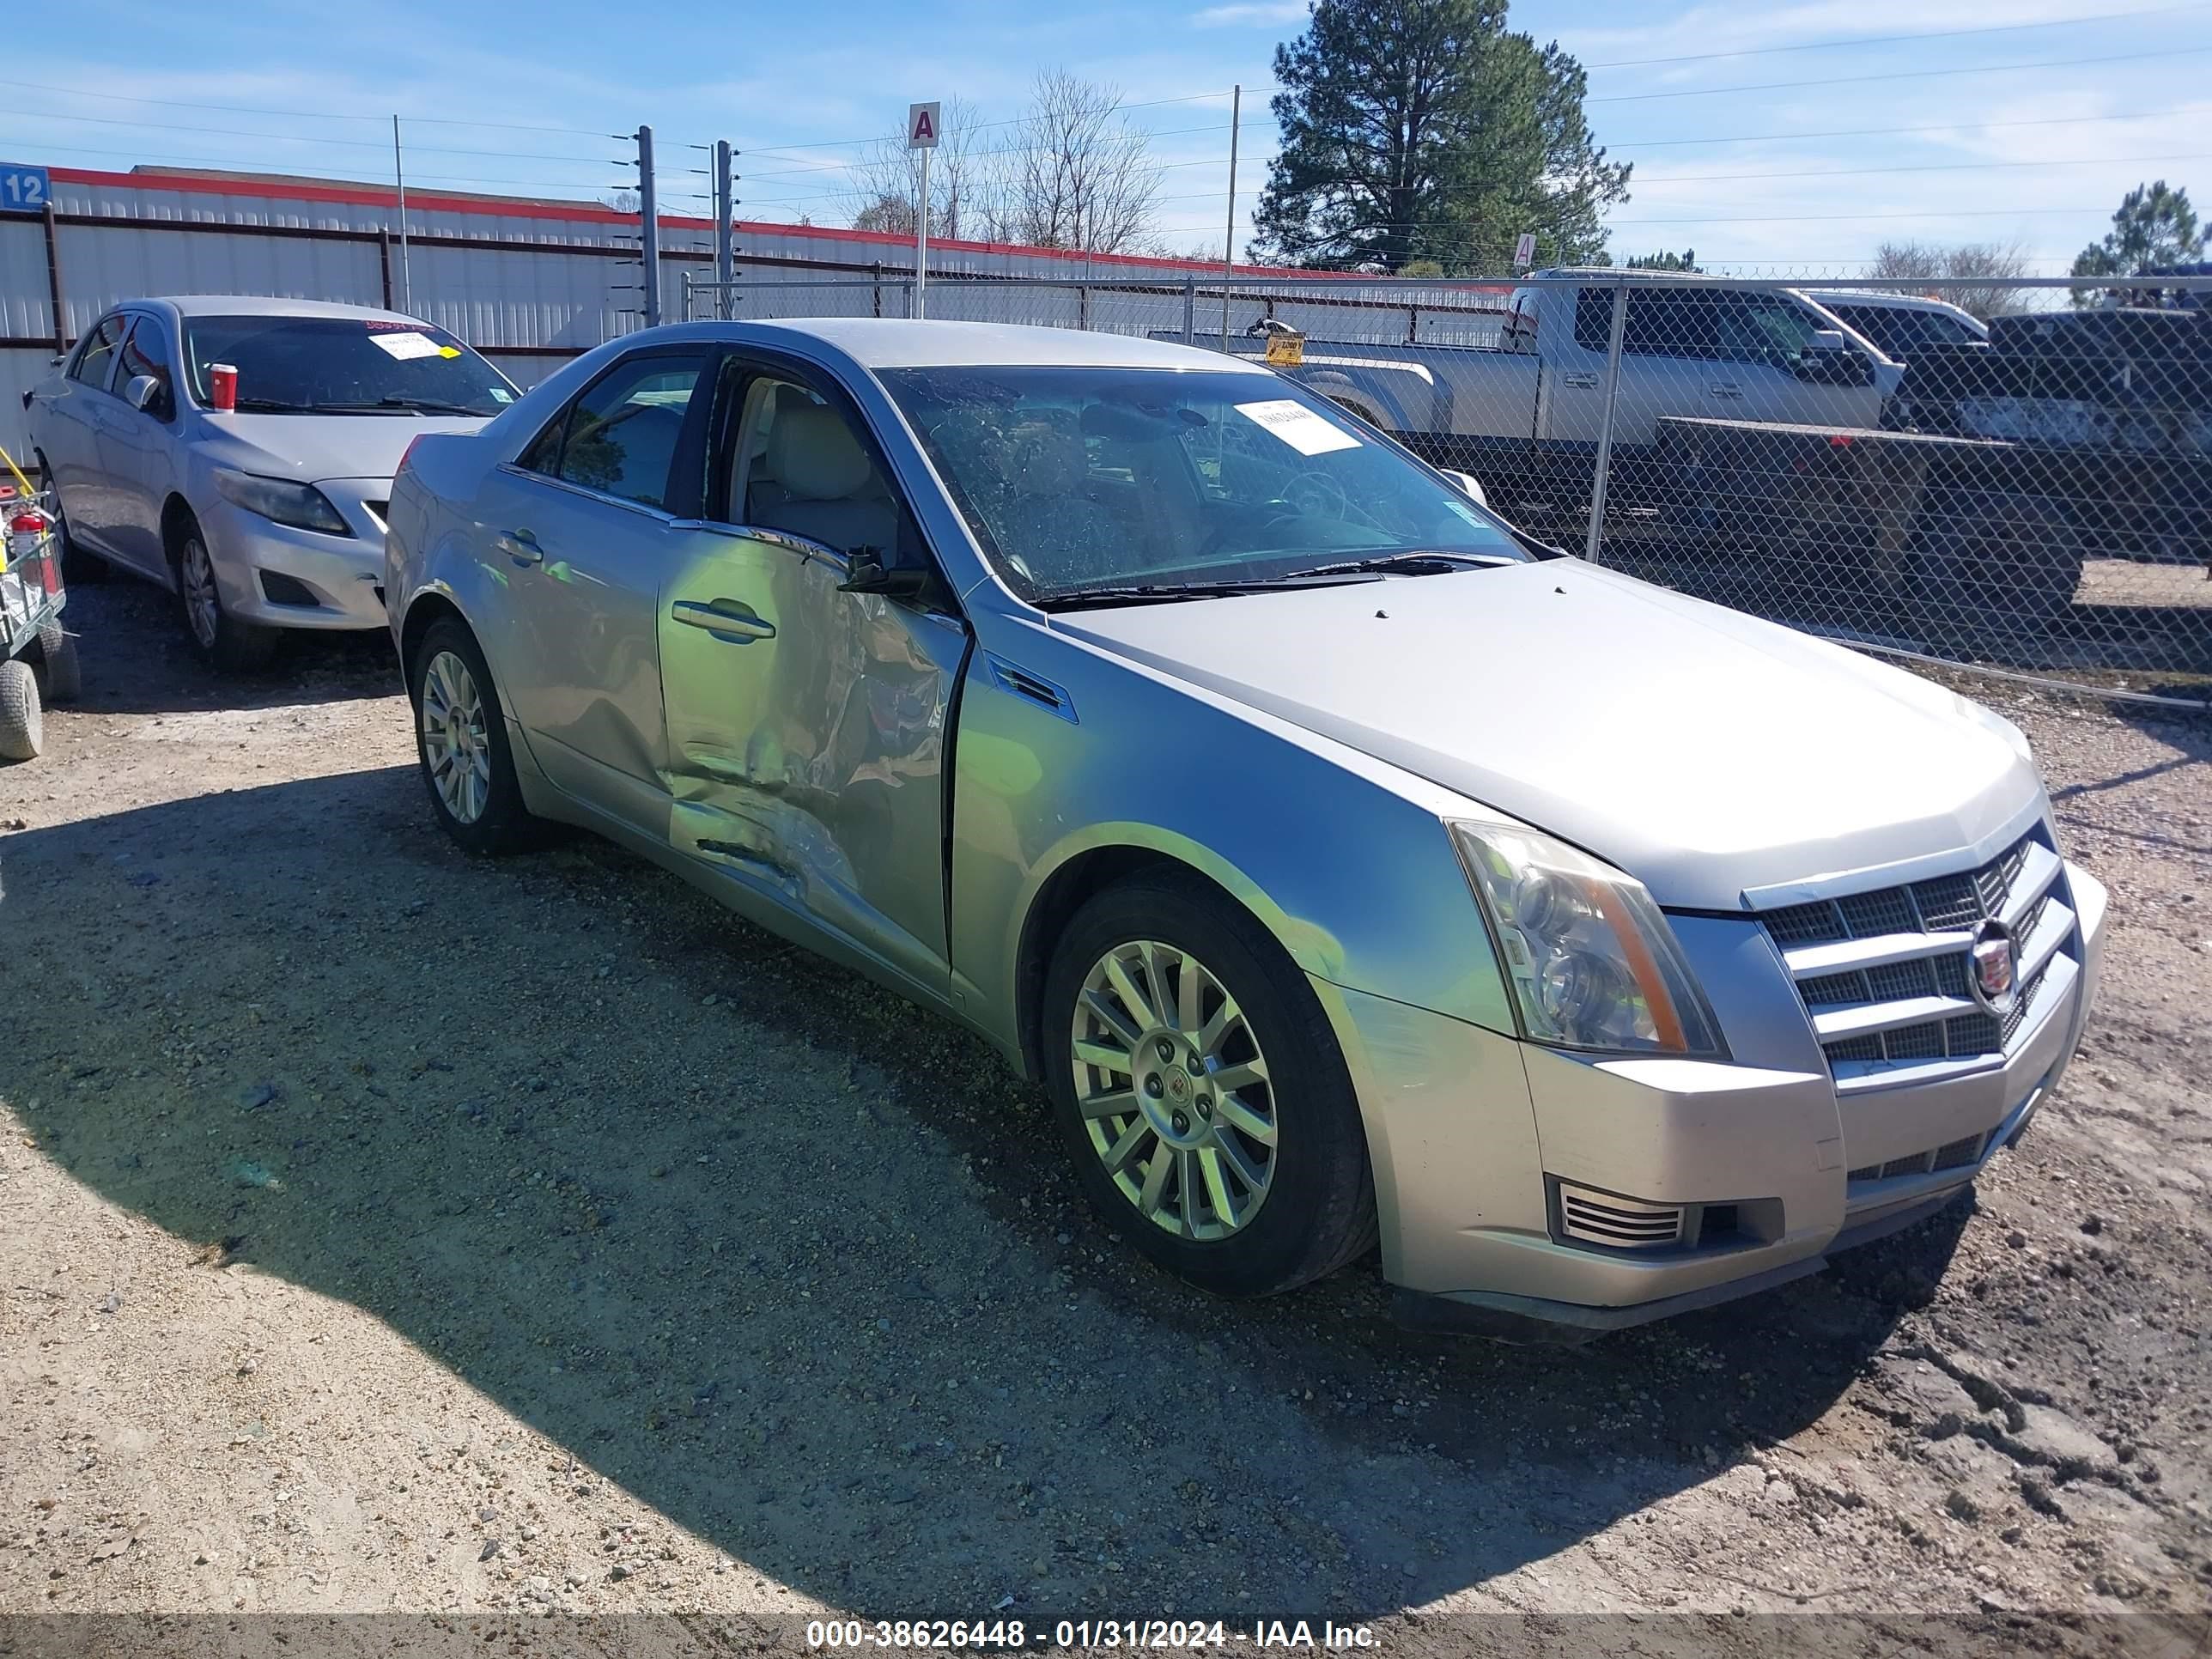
(253, 304)
(1861, 296)
(894, 343)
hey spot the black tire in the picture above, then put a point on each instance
(504, 825)
(22, 721)
(58, 656)
(227, 645)
(80, 568)
(1994, 559)
(1319, 1209)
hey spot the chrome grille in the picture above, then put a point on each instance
(1630, 1224)
(1883, 972)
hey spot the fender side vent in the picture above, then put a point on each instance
(1018, 682)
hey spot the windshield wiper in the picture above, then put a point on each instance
(273, 406)
(1083, 599)
(1423, 561)
(412, 405)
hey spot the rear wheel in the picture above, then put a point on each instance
(58, 656)
(460, 740)
(1207, 1108)
(22, 721)
(234, 646)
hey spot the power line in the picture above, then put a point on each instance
(285, 138)
(1880, 132)
(1900, 75)
(314, 114)
(1945, 166)
(1891, 39)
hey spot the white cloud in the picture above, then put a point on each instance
(1250, 13)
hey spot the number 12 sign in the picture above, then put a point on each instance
(23, 189)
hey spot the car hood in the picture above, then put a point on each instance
(310, 448)
(1703, 751)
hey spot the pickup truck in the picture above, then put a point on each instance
(1526, 415)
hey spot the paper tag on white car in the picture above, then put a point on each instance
(408, 343)
(1298, 426)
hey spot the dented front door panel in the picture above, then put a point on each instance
(807, 732)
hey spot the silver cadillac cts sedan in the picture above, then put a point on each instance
(1349, 868)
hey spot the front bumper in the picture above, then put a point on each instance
(322, 581)
(1475, 1136)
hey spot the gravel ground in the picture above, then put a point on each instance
(381, 1230)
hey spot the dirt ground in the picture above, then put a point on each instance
(386, 1231)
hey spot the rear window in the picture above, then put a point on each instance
(354, 365)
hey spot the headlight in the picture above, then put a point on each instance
(302, 505)
(1590, 960)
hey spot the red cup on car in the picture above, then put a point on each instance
(222, 386)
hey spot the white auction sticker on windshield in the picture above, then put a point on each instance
(407, 343)
(1298, 426)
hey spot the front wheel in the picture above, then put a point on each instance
(227, 643)
(58, 656)
(1207, 1108)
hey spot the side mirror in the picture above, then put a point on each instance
(1468, 484)
(865, 573)
(1827, 339)
(141, 391)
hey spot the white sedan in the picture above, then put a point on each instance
(268, 514)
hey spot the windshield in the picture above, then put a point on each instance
(1074, 479)
(302, 365)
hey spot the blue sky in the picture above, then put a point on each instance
(1756, 140)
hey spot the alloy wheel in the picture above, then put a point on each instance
(456, 745)
(1175, 1094)
(202, 609)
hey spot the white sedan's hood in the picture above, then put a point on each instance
(1703, 751)
(310, 448)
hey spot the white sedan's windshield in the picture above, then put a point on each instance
(1075, 479)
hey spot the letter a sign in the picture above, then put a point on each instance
(921, 124)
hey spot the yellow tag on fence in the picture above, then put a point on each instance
(1287, 350)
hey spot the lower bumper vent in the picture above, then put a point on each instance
(1951, 1155)
(1620, 1223)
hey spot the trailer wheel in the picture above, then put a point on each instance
(58, 655)
(22, 724)
(1995, 558)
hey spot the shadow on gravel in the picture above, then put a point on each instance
(137, 658)
(798, 1266)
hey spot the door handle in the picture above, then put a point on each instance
(1726, 389)
(1582, 379)
(730, 621)
(522, 547)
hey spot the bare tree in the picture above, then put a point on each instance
(1081, 178)
(1995, 268)
(967, 182)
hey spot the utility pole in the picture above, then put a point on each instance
(400, 182)
(726, 242)
(1229, 240)
(648, 211)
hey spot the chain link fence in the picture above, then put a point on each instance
(2024, 488)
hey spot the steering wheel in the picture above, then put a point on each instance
(1317, 494)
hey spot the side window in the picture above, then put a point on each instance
(620, 436)
(1671, 322)
(1594, 319)
(147, 353)
(797, 464)
(95, 361)
(1761, 328)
